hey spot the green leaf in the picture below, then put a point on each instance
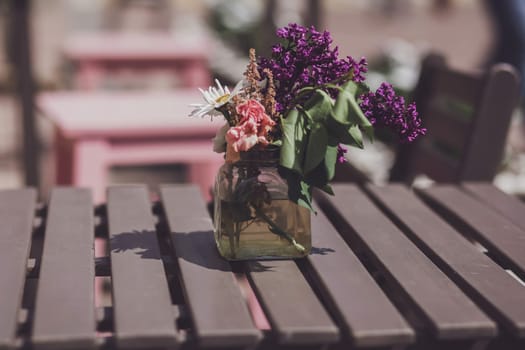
(298, 190)
(293, 146)
(358, 118)
(316, 148)
(351, 87)
(341, 132)
(355, 114)
(347, 114)
(305, 198)
(357, 137)
(330, 160)
(319, 105)
(341, 108)
(337, 122)
(318, 177)
(328, 189)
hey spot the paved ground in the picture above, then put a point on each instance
(463, 34)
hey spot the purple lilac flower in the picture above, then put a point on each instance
(341, 151)
(358, 69)
(306, 59)
(385, 109)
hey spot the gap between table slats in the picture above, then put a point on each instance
(17, 210)
(296, 315)
(500, 295)
(498, 234)
(353, 297)
(509, 206)
(431, 296)
(142, 305)
(219, 314)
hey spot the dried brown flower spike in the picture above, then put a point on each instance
(269, 96)
(253, 77)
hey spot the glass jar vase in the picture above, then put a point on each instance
(253, 215)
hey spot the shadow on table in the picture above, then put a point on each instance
(321, 251)
(143, 243)
(195, 247)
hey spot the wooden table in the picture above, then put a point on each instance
(97, 130)
(442, 268)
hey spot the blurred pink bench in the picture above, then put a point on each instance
(97, 130)
(94, 54)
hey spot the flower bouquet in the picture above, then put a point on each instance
(286, 124)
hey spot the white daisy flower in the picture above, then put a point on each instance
(215, 98)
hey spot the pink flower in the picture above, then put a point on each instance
(253, 110)
(241, 137)
(250, 109)
(253, 127)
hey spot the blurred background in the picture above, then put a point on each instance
(392, 34)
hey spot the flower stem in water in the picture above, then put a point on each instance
(278, 231)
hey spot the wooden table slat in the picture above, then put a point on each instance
(293, 310)
(142, 303)
(509, 206)
(486, 282)
(65, 306)
(218, 311)
(367, 314)
(497, 233)
(450, 313)
(17, 209)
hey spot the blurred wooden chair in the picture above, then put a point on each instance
(467, 116)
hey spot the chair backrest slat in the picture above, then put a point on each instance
(486, 142)
(454, 84)
(431, 160)
(447, 129)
